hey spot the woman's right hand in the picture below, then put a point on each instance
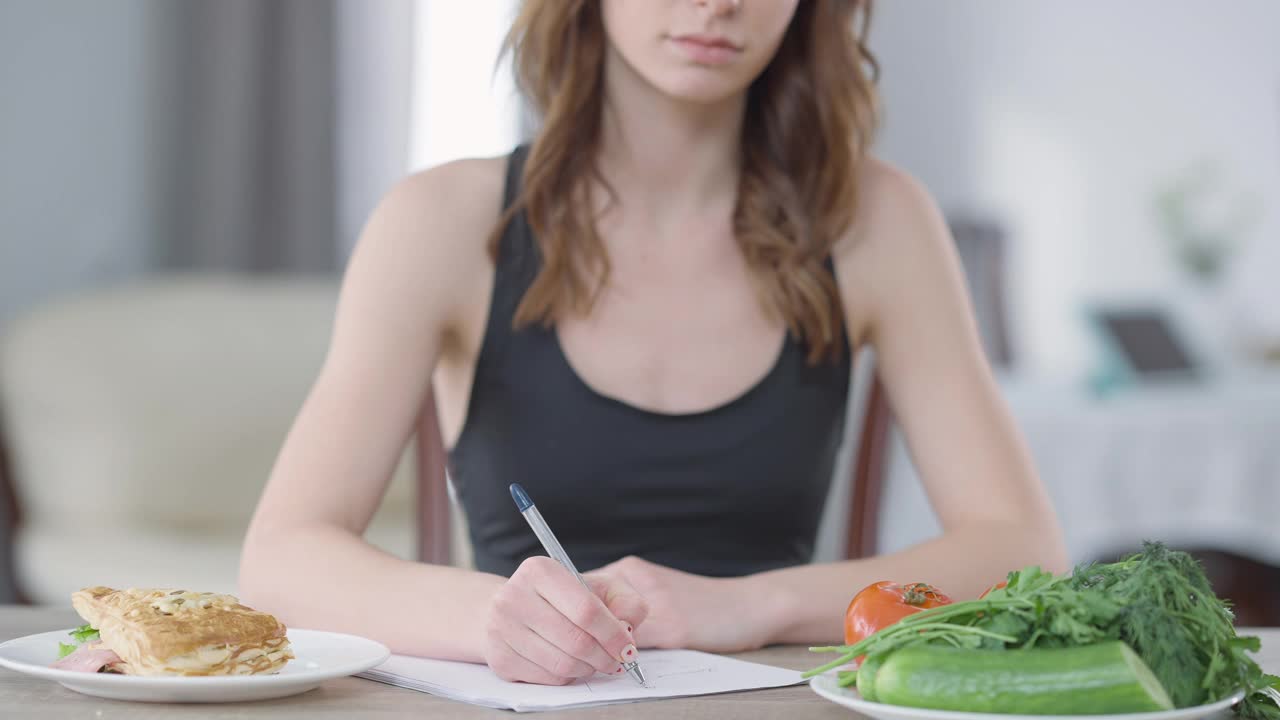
(544, 627)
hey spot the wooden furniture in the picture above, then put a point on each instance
(26, 698)
(434, 521)
(868, 473)
(10, 518)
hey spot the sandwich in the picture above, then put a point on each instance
(172, 632)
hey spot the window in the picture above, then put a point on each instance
(463, 104)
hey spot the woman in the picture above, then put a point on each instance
(647, 317)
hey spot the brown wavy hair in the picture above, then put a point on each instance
(810, 117)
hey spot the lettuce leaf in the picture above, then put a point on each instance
(84, 634)
(65, 650)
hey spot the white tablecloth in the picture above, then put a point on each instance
(1192, 465)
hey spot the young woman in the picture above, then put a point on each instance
(647, 317)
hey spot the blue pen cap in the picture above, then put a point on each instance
(521, 497)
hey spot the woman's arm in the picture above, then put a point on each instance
(419, 262)
(304, 557)
(904, 294)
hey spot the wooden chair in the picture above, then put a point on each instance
(434, 521)
(10, 518)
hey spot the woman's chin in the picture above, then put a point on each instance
(701, 91)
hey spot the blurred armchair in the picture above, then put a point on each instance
(141, 423)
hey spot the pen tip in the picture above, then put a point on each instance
(521, 497)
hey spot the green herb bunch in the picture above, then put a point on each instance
(1158, 601)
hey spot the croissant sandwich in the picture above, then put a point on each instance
(172, 632)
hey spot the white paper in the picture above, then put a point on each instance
(670, 673)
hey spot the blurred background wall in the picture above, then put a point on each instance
(1121, 157)
(76, 179)
(1066, 119)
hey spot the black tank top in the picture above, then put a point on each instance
(729, 491)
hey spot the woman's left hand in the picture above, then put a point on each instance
(693, 611)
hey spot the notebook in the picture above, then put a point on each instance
(670, 673)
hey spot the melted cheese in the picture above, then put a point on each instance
(183, 601)
(224, 660)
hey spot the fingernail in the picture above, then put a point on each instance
(629, 653)
(618, 671)
(628, 628)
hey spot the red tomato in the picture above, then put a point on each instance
(884, 603)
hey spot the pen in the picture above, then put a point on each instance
(557, 553)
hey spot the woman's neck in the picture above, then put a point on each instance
(663, 155)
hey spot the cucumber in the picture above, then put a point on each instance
(1089, 680)
(867, 677)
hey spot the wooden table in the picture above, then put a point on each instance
(22, 697)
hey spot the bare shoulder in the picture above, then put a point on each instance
(420, 263)
(469, 187)
(448, 209)
(898, 239)
(895, 213)
(427, 238)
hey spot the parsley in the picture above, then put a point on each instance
(65, 650)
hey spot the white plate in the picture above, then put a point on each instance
(825, 685)
(320, 656)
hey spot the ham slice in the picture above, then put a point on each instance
(90, 658)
